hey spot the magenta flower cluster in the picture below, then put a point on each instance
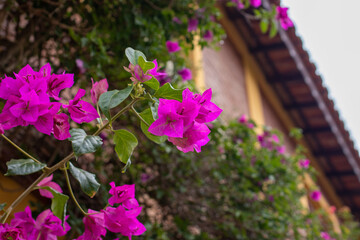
(121, 219)
(46, 226)
(138, 75)
(32, 98)
(282, 16)
(184, 122)
(271, 142)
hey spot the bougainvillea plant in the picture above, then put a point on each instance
(33, 98)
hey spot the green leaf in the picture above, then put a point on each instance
(145, 65)
(23, 167)
(273, 29)
(125, 143)
(264, 25)
(154, 108)
(133, 55)
(58, 203)
(153, 83)
(87, 180)
(111, 99)
(83, 143)
(148, 117)
(2, 206)
(167, 91)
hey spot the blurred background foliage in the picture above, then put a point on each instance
(233, 189)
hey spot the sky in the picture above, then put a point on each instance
(330, 32)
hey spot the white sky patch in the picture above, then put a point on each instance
(330, 32)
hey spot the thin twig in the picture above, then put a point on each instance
(71, 191)
(138, 115)
(20, 149)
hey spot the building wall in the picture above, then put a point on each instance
(224, 73)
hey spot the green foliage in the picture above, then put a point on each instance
(169, 92)
(2, 206)
(58, 202)
(83, 143)
(233, 189)
(112, 99)
(136, 57)
(87, 180)
(125, 143)
(23, 167)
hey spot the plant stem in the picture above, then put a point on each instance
(125, 109)
(48, 171)
(98, 110)
(20, 149)
(71, 191)
(138, 115)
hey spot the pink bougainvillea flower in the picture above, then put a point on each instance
(282, 16)
(47, 225)
(121, 193)
(281, 149)
(45, 122)
(315, 195)
(11, 233)
(47, 182)
(174, 116)
(61, 126)
(176, 20)
(169, 122)
(94, 226)
(97, 89)
(10, 87)
(238, 4)
(304, 163)
(80, 66)
(164, 78)
(332, 209)
(118, 221)
(27, 107)
(255, 3)
(193, 138)
(192, 24)
(58, 82)
(1, 129)
(209, 111)
(185, 73)
(172, 46)
(81, 111)
(243, 119)
(325, 236)
(208, 35)
(154, 71)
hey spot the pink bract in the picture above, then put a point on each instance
(48, 182)
(185, 73)
(46, 227)
(282, 16)
(255, 3)
(81, 111)
(172, 46)
(304, 163)
(94, 226)
(315, 195)
(61, 126)
(121, 193)
(192, 24)
(208, 35)
(97, 89)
